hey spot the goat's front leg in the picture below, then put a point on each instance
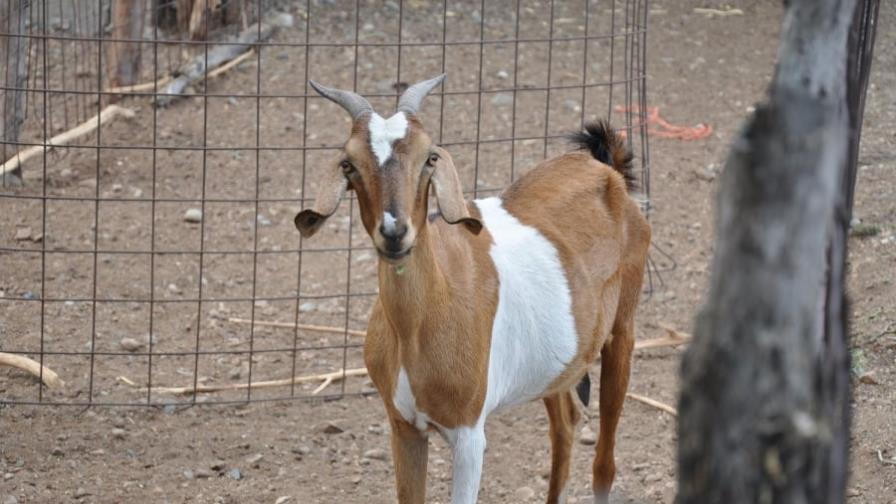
(469, 449)
(410, 448)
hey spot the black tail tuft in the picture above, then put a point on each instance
(607, 147)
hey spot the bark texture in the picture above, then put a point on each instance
(764, 408)
(14, 55)
(128, 17)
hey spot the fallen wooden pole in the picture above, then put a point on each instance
(205, 63)
(152, 86)
(49, 377)
(106, 115)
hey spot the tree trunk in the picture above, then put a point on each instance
(127, 23)
(764, 407)
(14, 54)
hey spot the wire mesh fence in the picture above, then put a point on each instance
(146, 239)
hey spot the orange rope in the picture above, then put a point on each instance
(659, 127)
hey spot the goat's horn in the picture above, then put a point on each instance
(412, 97)
(354, 103)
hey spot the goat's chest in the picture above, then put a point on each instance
(534, 335)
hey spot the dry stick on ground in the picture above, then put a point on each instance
(651, 402)
(150, 86)
(304, 327)
(196, 69)
(201, 389)
(675, 338)
(50, 378)
(107, 114)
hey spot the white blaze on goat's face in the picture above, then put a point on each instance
(384, 133)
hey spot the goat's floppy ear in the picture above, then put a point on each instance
(332, 188)
(446, 183)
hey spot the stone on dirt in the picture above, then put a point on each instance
(130, 344)
(376, 454)
(193, 215)
(587, 436)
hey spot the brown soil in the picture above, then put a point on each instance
(701, 70)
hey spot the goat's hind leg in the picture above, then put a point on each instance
(615, 365)
(564, 415)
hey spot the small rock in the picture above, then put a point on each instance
(263, 221)
(356, 479)
(376, 454)
(231, 100)
(130, 344)
(332, 428)
(502, 99)
(203, 473)
(307, 306)
(235, 474)
(523, 494)
(282, 19)
(23, 234)
(193, 215)
(235, 373)
(65, 173)
(117, 188)
(88, 183)
(868, 378)
(254, 459)
(118, 433)
(853, 492)
(502, 74)
(80, 493)
(283, 499)
(188, 474)
(218, 465)
(572, 105)
(587, 436)
(57, 452)
(8, 476)
(10, 499)
(301, 450)
(375, 428)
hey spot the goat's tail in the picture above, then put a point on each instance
(607, 147)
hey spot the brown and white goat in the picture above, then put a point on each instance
(509, 306)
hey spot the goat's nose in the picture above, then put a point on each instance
(393, 230)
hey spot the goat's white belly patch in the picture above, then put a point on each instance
(534, 334)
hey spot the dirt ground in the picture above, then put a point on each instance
(701, 70)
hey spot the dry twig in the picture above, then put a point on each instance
(651, 402)
(304, 327)
(50, 378)
(326, 378)
(106, 115)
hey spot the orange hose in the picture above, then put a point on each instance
(659, 127)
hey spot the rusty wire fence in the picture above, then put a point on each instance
(146, 238)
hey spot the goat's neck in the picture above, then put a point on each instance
(409, 291)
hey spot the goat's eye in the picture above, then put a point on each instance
(347, 168)
(433, 159)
